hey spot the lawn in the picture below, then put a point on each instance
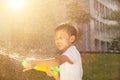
(101, 66)
(96, 67)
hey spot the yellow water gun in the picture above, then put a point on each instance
(44, 68)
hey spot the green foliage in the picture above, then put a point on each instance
(115, 45)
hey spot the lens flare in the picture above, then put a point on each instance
(16, 4)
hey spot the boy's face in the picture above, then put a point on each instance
(63, 40)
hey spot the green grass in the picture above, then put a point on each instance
(95, 66)
(101, 67)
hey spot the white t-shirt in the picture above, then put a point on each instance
(71, 71)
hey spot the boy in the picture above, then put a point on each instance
(69, 62)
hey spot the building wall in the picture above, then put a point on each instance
(102, 35)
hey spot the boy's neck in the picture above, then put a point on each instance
(67, 47)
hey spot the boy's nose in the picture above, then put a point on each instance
(57, 42)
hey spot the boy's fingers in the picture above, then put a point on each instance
(26, 69)
(49, 74)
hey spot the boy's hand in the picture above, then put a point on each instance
(26, 69)
(30, 66)
(51, 73)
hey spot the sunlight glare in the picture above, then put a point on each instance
(16, 4)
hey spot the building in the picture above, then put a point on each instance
(102, 35)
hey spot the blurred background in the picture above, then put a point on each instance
(27, 31)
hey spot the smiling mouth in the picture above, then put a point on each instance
(59, 46)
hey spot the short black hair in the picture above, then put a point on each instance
(70, 29)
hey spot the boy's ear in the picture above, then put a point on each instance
(72, 38)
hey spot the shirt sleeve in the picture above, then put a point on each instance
(70, 53)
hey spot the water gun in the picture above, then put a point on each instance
(43, 68)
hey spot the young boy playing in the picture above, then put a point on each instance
(69, 62)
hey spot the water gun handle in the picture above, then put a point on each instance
(55, 71)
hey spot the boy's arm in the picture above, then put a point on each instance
(49, 62)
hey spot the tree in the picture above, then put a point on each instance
(76, 13)
(115, 45)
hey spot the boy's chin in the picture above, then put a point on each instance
(60, 48)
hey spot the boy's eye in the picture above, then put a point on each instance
(62, 38)
(59, 38)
